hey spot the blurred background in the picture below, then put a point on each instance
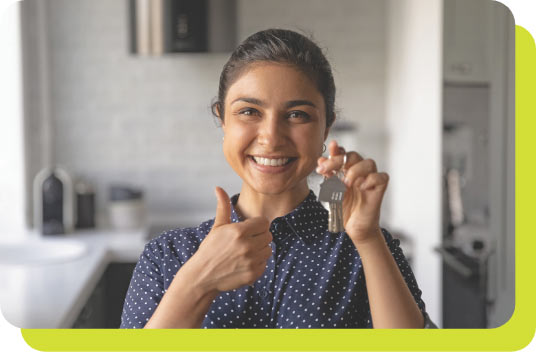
(108, 137)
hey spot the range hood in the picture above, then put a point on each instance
(158, 27)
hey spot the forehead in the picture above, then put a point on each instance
(274, 81)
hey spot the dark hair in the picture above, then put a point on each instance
(281, 46)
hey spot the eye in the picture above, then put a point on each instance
(248, 112)
(299, 115)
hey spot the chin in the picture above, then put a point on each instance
(270, 189)
(273, 187)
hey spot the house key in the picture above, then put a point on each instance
(332, 191)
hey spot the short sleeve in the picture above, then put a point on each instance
(146, 288)
(407, 273)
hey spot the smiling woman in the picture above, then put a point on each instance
(274, 130)
(267, 259)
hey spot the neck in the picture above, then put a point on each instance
(252, 203)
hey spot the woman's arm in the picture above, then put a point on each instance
(184, 304)
(230, 256)
(391, 303)
(149, 305)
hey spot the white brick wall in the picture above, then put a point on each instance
(147, 121)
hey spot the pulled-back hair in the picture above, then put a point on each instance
(279, 46)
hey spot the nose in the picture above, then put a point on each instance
(272, 131)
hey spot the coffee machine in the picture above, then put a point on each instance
(53, 198)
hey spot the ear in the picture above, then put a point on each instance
(328, 128)
(216, 110)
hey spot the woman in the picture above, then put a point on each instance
(267, 259)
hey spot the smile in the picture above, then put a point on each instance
(271, 165)
(270, 162)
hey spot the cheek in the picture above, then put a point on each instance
(310, 142)
(237, 139)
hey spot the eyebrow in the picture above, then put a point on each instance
(293, 103)
(289, 104)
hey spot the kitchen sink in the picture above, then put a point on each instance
(40, 251)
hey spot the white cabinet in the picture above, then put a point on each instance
(467, 40)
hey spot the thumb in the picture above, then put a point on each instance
(223, 211)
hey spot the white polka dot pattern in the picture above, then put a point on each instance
(314, 278)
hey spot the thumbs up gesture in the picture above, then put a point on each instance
(233, 254)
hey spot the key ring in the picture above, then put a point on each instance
(340, 173)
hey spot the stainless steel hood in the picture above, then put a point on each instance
(158, 27)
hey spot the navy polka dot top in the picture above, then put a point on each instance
(314, 278)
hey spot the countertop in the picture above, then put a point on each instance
(52, 295)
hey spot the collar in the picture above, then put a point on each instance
(303, 221)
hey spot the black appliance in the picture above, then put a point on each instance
(54, 204)
(186, 26)
(85, 205)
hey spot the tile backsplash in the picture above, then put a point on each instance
(146, 121)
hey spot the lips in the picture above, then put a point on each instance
(270, 161)
(271, 165)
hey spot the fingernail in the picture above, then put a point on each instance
(320, 169)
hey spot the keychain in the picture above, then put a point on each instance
(332, 191)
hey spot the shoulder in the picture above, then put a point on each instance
(181, 241)
(184, 233)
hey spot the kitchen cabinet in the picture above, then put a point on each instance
(93, 314)
(467, 40)
(104, 307)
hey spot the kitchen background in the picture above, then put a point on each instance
(147, 121)
(423, 87)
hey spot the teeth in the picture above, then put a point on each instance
(270, 162)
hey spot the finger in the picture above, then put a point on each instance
(327, 166)
(264, 254)
(254, 226)
(358, 172)
(334, 148)
(351, 159)
(375, 180)
(262, 240)
(223, 210)
(321, 160)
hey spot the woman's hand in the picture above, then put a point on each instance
(365, 187)
(233, 254)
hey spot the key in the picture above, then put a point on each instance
(332, 191)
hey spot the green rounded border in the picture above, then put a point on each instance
(513, 335)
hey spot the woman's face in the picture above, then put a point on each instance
(274, 127)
